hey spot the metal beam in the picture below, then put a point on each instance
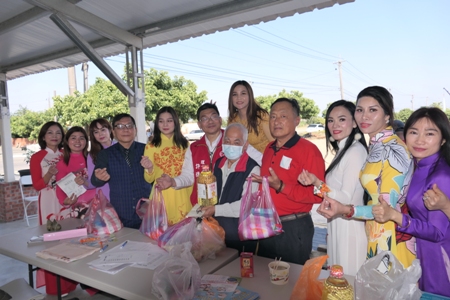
(87, 49)
(24, 18)
(91, 21)
(183, 20)
(221, 10)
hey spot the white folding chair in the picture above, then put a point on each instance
(27, 200)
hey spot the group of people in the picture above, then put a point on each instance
(391, 195)
(399, 201)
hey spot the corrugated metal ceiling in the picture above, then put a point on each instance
(31, 43)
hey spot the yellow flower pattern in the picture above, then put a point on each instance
(168, 159)
(383, 174)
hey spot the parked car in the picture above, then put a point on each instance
(194, 135)
(315, 128)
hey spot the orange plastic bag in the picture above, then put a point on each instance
(215, 226)
(308, 286)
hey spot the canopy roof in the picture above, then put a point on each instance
(30, 42)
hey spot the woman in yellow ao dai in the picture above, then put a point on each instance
(164, 154)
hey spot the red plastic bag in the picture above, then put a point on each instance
(154, 220)
(101, 217)
(308, 286)
(258, 218)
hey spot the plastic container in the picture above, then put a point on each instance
(207, 187)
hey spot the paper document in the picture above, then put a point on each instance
(67, 252)
(69, 186)
(134, 254)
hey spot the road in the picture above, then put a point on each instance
(19, 161)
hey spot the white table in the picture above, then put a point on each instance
(130, 283)
(261, 282)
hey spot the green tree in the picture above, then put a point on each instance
(324, 112)
(180, 93)
(104, 100)
(308, 107)
(27, 124)
(403, 114)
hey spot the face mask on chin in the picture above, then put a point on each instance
(231, 151)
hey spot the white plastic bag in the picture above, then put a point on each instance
(179, 277)
(397, 283)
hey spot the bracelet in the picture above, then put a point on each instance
(351, 213)
(322, 190)
(281, 186)
(409, 222)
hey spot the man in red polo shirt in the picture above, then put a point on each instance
(283, 160)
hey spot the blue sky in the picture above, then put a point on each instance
(401, 45)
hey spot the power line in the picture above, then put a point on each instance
(289, 41)
(262, 40)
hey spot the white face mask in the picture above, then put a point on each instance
(231, 151)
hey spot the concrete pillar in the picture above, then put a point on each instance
(5, 131)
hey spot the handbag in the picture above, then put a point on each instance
(154, 219)
(258, 218)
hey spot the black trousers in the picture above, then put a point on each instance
(294, 245)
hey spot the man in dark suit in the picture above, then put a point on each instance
(120, 165)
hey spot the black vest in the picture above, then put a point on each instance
(232, 191)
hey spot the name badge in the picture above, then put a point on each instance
(285, 162)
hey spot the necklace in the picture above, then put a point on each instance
(211, 153)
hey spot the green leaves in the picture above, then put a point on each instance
(308, 107)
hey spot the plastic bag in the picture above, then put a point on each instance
(308, 286)
(397, 283)
(206, 240)
(258, 218)
(101, 217)
(179, 276)
(154, 220)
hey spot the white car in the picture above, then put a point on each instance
(315, 128)
(194, 135)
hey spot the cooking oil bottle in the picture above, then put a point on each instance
(206, 187)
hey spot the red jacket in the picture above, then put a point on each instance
(200, 157)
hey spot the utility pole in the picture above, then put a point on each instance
(72, 80)
(412, 102)
(443, 100)
(84, 68)
(339, 63)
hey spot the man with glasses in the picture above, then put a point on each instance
(205, 151)
(120, 166)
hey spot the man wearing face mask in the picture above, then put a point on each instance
(231, 173)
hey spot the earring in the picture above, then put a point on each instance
(358, 136)
(332, 139)
(387, 121)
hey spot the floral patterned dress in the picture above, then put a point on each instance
(383, 174)
(168, 159)
(49, 207)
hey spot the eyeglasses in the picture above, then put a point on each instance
(212, 118)
(123, 126)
